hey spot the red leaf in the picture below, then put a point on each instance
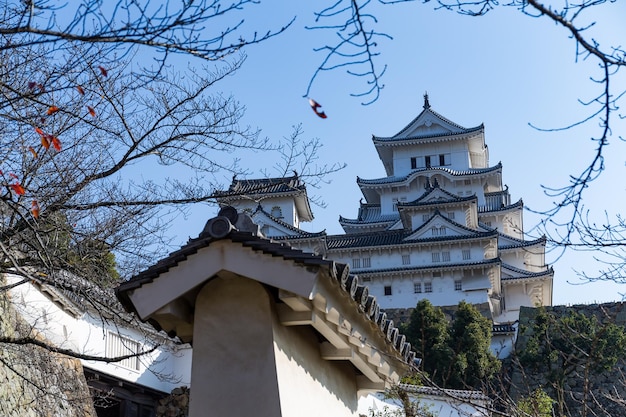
(103, 71)
(12, 175)
(315, 106)
(92, 112)
(56, 143)
(30, 148)
(80, 90)
(39, 131)
(34, 209)
(18, 189)
(52, 110)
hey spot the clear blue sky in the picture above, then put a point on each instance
(505, 70)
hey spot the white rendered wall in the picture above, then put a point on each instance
(309, 385)
(164, 369)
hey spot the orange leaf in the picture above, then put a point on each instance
(18, 189)
(30, 148)
(56, 143)
(39, 131)
(103, 71)
(52, 110)
(34, 209)
(91, 111)
(45, 142)
(80, 90)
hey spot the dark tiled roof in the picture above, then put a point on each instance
(366, 304)
(398, 237)
(447, 393)
(472, 233)
(384, 140)
(440, 265)
(415, 172)
(453, 198)
(518, 243)
(517, 205)
(503, 328)
(369, 214)
(523, 274)
(299, 232)
(263, 186)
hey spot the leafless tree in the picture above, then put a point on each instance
(568, 223)
(104, 140)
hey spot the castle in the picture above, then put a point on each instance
(440, 225)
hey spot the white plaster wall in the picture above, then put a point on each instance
(164, 369)
(439, 406)
(502, 345)
(402, 155)
(309, 385)
(403, 295)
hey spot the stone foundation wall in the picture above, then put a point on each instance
(35, 382)
(607, 389)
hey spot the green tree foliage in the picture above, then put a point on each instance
(457, 354)
(473, 362)
(571, 346)
(537, 404)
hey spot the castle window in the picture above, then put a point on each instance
(428, 287)
(427, 160)
(387, 289)
(417, 287)
(356, 262)
(425, 217)
(121, 346)
(435, 231)
(413, 163)
(406, 259)
(444, 159)
(367, 262)
(458, 285)
(468, 182)
(436, 257)
(445, 256)
(442, 230)
(451, 215)
(466, 254)
(277, 212)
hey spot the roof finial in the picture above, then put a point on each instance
(426, 103)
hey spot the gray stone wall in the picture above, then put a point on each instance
(607, 389)
(35, 382)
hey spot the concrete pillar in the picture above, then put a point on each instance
(234, 366)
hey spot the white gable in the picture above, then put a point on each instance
(428, 124)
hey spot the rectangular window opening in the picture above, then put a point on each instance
(458, 285)
(406, 259)
(417, 287)
(428, 287)
(387, 289)
(121, 346)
